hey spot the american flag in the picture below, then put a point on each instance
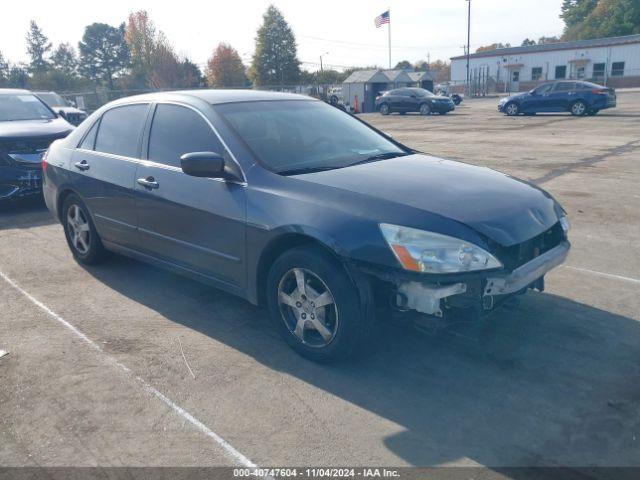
(382, 19)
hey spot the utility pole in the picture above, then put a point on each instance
(468, 46)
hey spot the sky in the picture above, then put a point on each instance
(341, 31)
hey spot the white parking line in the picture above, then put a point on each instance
(602, 274)
(228, 448)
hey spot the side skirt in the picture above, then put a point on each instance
(175, 268)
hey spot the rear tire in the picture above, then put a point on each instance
(80, 232)
(328, 332)
(425, 109)
(578, 108)
(384, 109)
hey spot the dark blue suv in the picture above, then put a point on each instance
(578, 98)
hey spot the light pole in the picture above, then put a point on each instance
(468, 46)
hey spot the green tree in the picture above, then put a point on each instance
(191, 75)
(103, 52)
(403, 65)
(18, 76)
(275, 61)
(493, 46)
(38, 45)
(527, 42)
(4, 71)
(65, 59)
(546, 40)
(586, 19)
(225, 68)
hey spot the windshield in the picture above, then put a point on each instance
(52, 99)
(23, 107)
(297, 136)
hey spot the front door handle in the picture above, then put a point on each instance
(83, 165)
(148, 182)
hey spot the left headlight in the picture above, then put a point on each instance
(428, 252)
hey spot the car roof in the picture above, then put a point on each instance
(14, 91)
(217, 96)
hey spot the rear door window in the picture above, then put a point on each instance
(177, 130)
(120, 129)
(564, 86)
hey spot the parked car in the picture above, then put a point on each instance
(409, 99)
(293, 204)
(64, 108)
(27, 128)
(578, 98)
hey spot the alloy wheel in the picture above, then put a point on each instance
(425, 109)
(512, 109)
(308, 307)
(79, 231)
(578, 108)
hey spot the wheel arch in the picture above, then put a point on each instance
(280, 244)
(62, 196)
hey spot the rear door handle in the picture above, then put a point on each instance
(148, 182)
(83, 165)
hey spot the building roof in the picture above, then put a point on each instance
(367, 76)
(420, 76)
(386, 76)
(547, 47)
(397, 75)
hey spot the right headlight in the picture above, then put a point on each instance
(428, 252)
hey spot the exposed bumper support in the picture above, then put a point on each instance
(528, 273)
(426, 299)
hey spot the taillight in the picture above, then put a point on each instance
(44, 159)
(597, 91)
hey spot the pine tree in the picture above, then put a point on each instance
(103, 52)
(38, 45)
(275, 60)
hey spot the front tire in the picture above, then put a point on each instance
(578, 108)
(512, 109)
(314, 305)
(80, 232)
(384, 109)
(425, 109)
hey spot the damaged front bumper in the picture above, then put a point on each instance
(476, 290)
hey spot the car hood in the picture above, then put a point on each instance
(22, 129)
(66, 109)
(502, 208)
(517, 96)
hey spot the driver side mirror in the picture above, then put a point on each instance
(203, 164)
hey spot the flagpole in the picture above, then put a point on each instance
(389, 29)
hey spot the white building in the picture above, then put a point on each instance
(613, 61)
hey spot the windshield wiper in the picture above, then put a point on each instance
(300, 171)
(380, 156)
(323, 168)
